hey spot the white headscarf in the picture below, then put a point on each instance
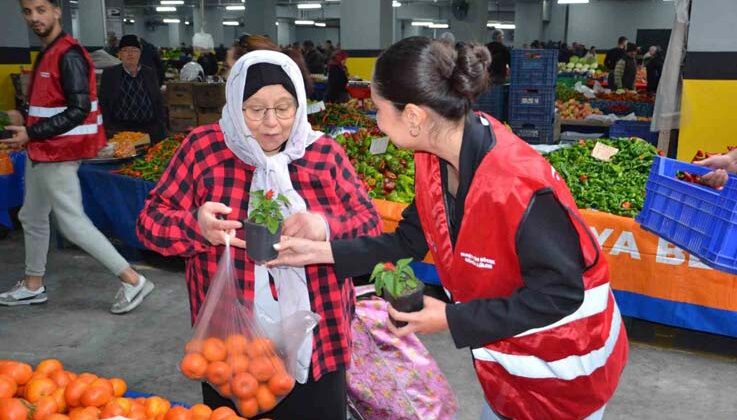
(272, 173)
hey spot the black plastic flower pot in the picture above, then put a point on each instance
(409, 301)
(260, 242)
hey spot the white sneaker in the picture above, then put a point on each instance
(20, 295)
(129, 297)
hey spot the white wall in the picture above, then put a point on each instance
(285, 33)
(527, 19)
(712, 25)
(317, 35)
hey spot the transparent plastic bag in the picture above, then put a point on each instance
(244, 356)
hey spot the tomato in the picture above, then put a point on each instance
(8, 387)
(244, 386)
(44, 408)
(74, 391)
(281, 384)
(266, 400)
(119, 387)
(201, 412)
(218, 373)
(96, 396)
(221, 413)
(214, 349)
(178, 413)
(13, 409)
(39, 387)
(49, 366)
(193, 366)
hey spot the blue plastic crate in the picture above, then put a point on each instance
(534, 67)
(639, 129)
(531, 104)
(540, 132)
(494, 102)
(697, 218)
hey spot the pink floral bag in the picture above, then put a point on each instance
(393, 378)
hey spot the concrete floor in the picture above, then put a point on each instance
(144, 346)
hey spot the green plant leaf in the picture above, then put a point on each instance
(378, 268)
(272, 225)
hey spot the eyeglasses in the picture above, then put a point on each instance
(282, 112)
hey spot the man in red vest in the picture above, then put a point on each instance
(64, 126)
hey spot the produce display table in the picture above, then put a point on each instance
(11, 189)
(586, 123)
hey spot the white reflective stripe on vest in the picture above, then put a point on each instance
(44, 112)
(568, 368)
(82, 130)
(595, 301)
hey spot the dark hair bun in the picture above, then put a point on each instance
(471, 75)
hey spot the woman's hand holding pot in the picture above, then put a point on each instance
(214, 229)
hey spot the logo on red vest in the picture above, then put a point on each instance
(480, 262)
(45, 74)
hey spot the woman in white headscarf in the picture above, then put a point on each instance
(264, 141)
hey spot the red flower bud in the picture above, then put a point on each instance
(269, 194)
(388, 266)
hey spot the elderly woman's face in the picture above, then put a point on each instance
(270, 115)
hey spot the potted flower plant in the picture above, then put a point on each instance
(263, 226)
(399, 286)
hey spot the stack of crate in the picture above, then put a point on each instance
(209, 99)
(182, 115)
(532, 95)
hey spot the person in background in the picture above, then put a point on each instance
(112, 44)
(63, 127)
(649, 54)
(654, 69)
(130, 98)
(209, 62)
(337, 78)
(625, 72)
(264, 141)
(591, 54)
(329, 48)
(448, 37)
(315, 61)
(535, 45)
(220, 52)
(501, 58)
(564, 54)
(297, 46)
(722, 165)
(526, 280)
(151, 58)
(612, 58)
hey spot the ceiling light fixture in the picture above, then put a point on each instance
(235, 7)
(320, 24)
(231, 23)
(172, 21)
(421, 23)
(305, 6)
(304, 22)
(172, 2)
(499, 25)
(166, 9)
(438, 26)
(573, 1)
(395, 3)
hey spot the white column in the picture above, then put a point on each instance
(472, 27)
(366, 25)
(261, 18)
(92, 23)
(175, 34)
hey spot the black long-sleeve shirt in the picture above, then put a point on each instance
(74, 72)
(548, 249)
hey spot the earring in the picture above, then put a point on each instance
(414, 131)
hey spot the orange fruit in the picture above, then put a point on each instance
(156, 406)
(60, 378)
(87, 377)
(61, 402)
(84, 413)
(57, 416)
(49, 366)
(222, 413)
(73, 393)
(236, 345)
(194, 346)
(178, 413)
(260, 347)
(262, 368)
(20, 372)
(234, 418)
(105, 383)
(193, 366)
(200, 412)
(72, 376)
(119, 386)
(214, 349)
(13, 409)
(238, 363)
(138, 412)
(248, 407)
(96, 396)
(39, 387)
(244, 386)
(266, 400)
(125, 404)
(281, 384)
(225, 391)
(8, 387)
(112, 409)
(218, 373)
(45, 407)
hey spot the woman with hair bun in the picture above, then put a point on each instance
(527, 284)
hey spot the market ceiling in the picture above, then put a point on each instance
(440, 3)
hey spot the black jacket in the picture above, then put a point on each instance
(337, 81)
(612, 58)
(315, 62)
(74, 71)
(110, 94)
(500, 59)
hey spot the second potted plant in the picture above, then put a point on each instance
(398, 285)
(263, 226)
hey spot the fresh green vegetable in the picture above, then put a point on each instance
(341, 115)
(616, 187)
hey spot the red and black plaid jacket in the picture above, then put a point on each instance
(204, 169)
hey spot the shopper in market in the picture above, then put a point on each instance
(612, 58)
(63, 127)
(337, 90)
(654, 68)
(263, 133)
(528, 281)
(130, 98)
(501, 58)
(315, 61)
(625, 72)
(722, 165)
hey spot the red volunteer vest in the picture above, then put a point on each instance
(566, 370)
(47, 99)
